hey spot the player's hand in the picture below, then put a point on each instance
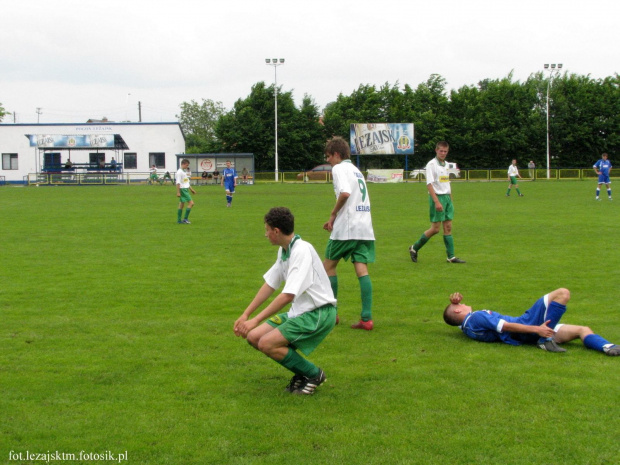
(456, 298)
(247, 326)
(544, 330)
(438, 206)
(242, 319)
(178, 194)
(329, 226)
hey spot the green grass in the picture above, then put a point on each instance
(116, 330)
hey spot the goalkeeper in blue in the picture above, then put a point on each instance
(540, 325)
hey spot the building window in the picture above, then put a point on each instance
(9, 161)
(96, 158)
(130, 161)
(158, 159)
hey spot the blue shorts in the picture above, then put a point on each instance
(535, 316)
(230, 187)
(603, 179)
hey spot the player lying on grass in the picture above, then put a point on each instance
(312, 315)
(539, 325)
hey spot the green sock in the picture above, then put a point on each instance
(366, 289)
(421, 241)
(187, 212)
(518, 192)
(333, 280)
(449, 242)
(179, 213)
(508, 191)
(299, 365)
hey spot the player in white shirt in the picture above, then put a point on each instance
(513, 173)
(440, 201)
(182, 180)
(350, 224)
(312, 315)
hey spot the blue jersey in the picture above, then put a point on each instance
(487, 326)
(229, 175)
(604, 166)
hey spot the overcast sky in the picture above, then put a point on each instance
(89, 59)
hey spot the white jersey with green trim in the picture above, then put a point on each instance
(182, 178)
(513, 171)
(353, 221)
(437, 175)
(305, 276)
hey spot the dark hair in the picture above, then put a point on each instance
(449, 317)
(281, 218)
(338, 145)
(185, 161)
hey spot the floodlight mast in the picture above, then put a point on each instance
(275, 62)
(553, 70)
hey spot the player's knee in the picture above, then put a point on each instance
(253, 339)
(585, 331)
(562, 296)
(264, 346)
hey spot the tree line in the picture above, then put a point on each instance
(487, 124)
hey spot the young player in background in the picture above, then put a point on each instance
(350, 225)
(603, 168)
(440, 203)
(229, 181)
(182, 179)
(513, 174)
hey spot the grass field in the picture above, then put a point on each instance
(116, 330)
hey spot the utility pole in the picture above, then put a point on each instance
(38, 113)
(140, 112)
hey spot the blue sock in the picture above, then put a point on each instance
(228, 199)
(609, 192)
(595, 342)
(554, 312)
(598, 192)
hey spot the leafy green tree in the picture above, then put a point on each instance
(198, 122)
(3, 112)
(249, 127)
(493, 123)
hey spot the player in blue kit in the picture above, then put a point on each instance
(539, 325)
(229, 181)
(602, 168)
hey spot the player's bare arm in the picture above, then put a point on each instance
(543, 330)
(342, 199)
(274, 307)
(261, 296)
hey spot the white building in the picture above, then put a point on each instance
(28, 149)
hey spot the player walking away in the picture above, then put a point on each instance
(513, 174)
(603, 168)
(350, 224)
(312, 315)
(539, 325)
(440, 201)
(182, 178)
(229, 181)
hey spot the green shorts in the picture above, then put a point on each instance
(306, 331)
(513, 180)
(185, 197)
(360, 251)
(448, 209)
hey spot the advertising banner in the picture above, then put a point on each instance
(382, 139)
(69, 141)
(385, 176)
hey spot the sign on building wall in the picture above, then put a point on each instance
(71, 141)
(382, 139)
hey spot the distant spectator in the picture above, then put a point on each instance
(531, 166)
(113, 164)
(68, 164)
(244, 174)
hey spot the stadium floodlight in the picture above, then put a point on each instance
(553, 69)
(275, 62)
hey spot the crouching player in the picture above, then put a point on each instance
(539, 325)
(312, 315)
